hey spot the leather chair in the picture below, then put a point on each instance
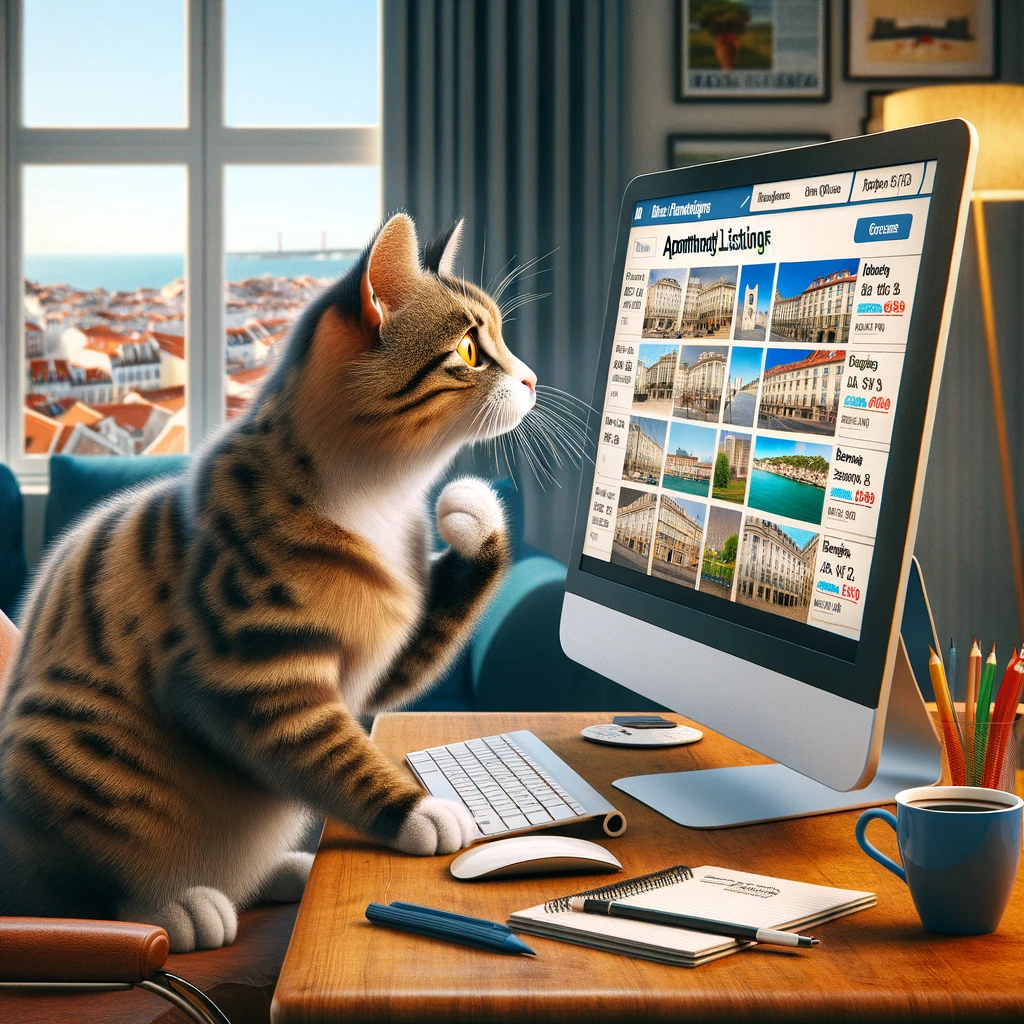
(66, 971)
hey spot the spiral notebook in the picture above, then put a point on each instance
(717, 893)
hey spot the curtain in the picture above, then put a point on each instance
(509, 113)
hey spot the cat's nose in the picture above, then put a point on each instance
(531, 383)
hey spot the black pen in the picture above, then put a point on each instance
(696, 924)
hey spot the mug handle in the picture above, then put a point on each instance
(862, 841)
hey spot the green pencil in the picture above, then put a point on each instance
(988, 675)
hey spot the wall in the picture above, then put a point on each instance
(962, 537)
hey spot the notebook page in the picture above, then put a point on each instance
(738, 897)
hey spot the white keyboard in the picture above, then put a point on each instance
(512, 783)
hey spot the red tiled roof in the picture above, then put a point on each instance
(814, 359)
(129, 415)
(253, 375)
(234, 405)
(39, 433)
(172, 344)
(171, 441)
(171, 398)
(29, 326)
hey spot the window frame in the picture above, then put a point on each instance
(205, 146)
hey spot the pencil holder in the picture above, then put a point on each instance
(982, 755)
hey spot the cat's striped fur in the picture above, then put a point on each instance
(194, 652)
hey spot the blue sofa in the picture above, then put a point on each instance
(514, 661)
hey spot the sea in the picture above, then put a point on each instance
(684, 486)
(770, 492)
(126, 272)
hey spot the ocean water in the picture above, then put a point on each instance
(126, 272)
(677, 483)
(772, 493)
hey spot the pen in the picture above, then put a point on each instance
(697, 924)
(481, 936)
(445, 915)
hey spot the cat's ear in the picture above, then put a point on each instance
(439, 255)
(392, 269)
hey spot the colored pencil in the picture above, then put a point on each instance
(1002, 723)
(988, 675)
(954, 749)
(951, 678)
(973, 678)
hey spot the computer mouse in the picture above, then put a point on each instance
(533, 855)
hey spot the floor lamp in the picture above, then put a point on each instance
(997, 111)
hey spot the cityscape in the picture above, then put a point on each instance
(694, 304)
(677, 543)
(801, 390)
(814, 301)
(106, 371)
(634, 524)
(776, 568)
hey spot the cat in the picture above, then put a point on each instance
(195, 652)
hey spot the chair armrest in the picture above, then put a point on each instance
(68, 949)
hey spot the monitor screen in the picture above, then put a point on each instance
(755, 366)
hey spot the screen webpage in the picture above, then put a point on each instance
(755, 367)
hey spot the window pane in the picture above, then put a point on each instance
(301, 62)
(288, 231)
(104, 63)
(104, 335)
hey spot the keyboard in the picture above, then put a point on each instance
(512, 783)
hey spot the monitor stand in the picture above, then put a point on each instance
(719, 797)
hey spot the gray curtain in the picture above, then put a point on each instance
(508, 112)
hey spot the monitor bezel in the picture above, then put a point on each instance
(862, 679)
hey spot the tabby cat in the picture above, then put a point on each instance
(195, 652)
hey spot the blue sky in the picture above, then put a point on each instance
(287, 63)
(677, 274)
(650, 354)
(745, 363)
(800, 537)
(781, 356)
(699, 441)
(770, 447)
(760, 275)
(795, 277)
(731, 433)
(691, 353)
(694, 509)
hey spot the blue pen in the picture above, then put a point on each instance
(482, 936)
(447, 915)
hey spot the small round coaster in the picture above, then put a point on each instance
(620, 736)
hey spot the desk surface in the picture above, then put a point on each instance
(877, 964)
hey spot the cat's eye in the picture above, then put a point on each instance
(469, 350)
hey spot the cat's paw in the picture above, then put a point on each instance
(200, 918)
(288, 879)
(468, 514)
(435, 826)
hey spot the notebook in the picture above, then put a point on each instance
(717, 893)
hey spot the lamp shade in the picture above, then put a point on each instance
(996, 110)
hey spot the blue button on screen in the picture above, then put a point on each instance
(883, 229)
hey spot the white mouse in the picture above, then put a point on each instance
(533, 855)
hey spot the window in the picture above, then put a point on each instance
(169, 216)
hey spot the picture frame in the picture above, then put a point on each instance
(745, 51)
(686, 148)
(922, 40)
(872, 120)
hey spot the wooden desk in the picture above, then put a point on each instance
(875, 965)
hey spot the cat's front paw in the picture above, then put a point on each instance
(288, 878)
(200, 918)
(468, 515)
(435, 826)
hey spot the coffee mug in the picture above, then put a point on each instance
(960, 847)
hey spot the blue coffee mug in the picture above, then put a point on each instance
(960, 847)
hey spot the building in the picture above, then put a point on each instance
(664, 303)
(751, 387)
(737, 450)
(748, 320)
(687, 466)
(708, 307)
(34, 340)
(773, 570)
(655, 381)
(634, 524)
(678, 537)
(699, 384)
(643, 455)
(805, 390)
(820, 313)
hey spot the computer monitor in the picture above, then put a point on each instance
(768, 380)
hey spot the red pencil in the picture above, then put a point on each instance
(1005, 711)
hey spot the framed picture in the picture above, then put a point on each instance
(873, 113)
(685, 150)
(752, 50)
(922, 39)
